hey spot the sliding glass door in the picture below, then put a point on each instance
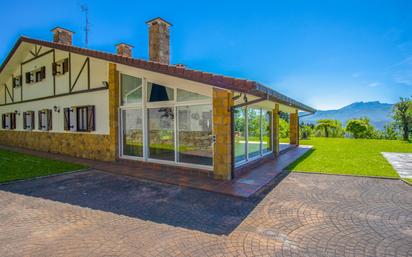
(132, 132)
(195, 134)
(161, 133)
(252, 133)
(166, 124)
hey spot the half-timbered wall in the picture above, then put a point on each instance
(84, 84)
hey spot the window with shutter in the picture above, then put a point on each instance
(61, 67)
(45, 120)
(13, 120)
(66, 112)
(9, 120)
(82, 118)
(3, 121)
(49, 120)
(66, 65)
(28, 120)
(90, 118)
(28, 78)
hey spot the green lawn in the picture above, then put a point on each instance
(349, 156)
(16, 166)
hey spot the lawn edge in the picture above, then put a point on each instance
(347, 175)
(407, 182)
(45, 176)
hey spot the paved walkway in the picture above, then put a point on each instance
(401, 162)
(303, 215)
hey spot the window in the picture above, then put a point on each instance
(85, 118)
(266, 131)
(158, 93)
(61, 67)
(81, 118)
(36, 75)
(161, 133)
(17, 81)
(240, 134)
(45, 120)
(132, 132)
(252, 133)
(253, 129)
(183, 95)
(8, 120)
(195, 134)
(28, 120)
(131, 89)
(29, 78)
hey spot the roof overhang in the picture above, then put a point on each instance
(220, 81)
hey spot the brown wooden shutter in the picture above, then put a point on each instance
(24, 120)
(40, 122)
(32, 119)
(65, 65)
(90, 118)
(66, 112)
(13, 120)
(28, 79)
(3, 121)
(43, 73)
(49, 120)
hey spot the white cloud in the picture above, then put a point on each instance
(374, 84)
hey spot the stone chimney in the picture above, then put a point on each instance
(124, 50)
(159, 40)
(62, 36)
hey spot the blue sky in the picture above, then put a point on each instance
(324, 53)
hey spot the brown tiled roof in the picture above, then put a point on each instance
(240, 85)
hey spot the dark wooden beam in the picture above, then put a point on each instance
(38, 56)
(80, 73)
(60, 95)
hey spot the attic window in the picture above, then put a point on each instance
(36, 75)
(17, 81)
(61, 67)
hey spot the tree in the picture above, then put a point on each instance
(328, 127)
(402, 114)
(361, 128)
(305, 130)
(283, 128)
(390, 132)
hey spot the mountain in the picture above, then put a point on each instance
(378, 113)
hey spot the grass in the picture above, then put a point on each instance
(350, 156)
(17, 166)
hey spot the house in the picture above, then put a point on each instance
(64, 99)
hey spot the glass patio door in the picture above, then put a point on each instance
(161, 129)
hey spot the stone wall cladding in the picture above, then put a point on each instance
(81, 145)
(222, 162)
(113, 109)
(275, 120)
(294, 128)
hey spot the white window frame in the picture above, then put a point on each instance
(145, 105)
(262, 154)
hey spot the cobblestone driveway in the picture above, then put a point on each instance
(304, 215)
